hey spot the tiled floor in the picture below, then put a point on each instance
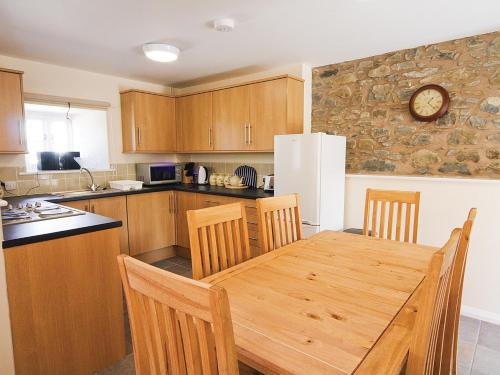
(478, 348)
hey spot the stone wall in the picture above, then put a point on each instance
(367, 101)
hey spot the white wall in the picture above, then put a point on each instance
(444, 205)
(41, 78)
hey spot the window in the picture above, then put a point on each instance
(66, 129)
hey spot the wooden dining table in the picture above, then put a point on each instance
(334, 303)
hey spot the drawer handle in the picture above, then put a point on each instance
(212, 202)
(251, 207)
(253, 238)
(252, 222)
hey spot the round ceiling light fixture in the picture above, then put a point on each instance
(224, 24)
(161, 52)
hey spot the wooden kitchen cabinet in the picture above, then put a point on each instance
(276, 107)
(148, 122)
(151, 221)
(113, 207)
(231, 117)
(12, 131)
(194, 122)
(66, 304)
(184, 202)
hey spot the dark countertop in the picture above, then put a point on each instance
(192, 188)
(26, 233)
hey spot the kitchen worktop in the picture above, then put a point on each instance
(25, 233)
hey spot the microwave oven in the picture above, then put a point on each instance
(159, 173)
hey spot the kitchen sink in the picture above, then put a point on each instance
(76, 193)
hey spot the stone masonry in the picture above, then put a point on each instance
(367, 101)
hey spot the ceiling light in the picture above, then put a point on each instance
(161, 52)
(224, 24)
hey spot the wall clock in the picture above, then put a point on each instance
(429, 103)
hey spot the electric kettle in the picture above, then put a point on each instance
(202, 175)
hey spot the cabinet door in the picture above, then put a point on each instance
(267, 113)
(155, 122)
(12, 138)
(79, 205)
(151, 221)
(115, 208)
(194, 122)
(148, 122)
(183, 202)
(231, 111)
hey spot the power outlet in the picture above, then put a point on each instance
(10, 185)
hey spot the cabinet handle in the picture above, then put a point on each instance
(246, 141)
(138, 136)
(249, 133)
(176, 204)
(92, 209)
(20, 127)
(214, 202)
(169, 204)
(209, 137)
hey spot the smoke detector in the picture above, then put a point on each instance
(224, 24)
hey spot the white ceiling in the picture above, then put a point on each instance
(106, 36)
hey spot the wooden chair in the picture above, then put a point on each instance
(447, 347)
(218, 237)
(379, 222)
(432, 308)
(279, 221)
(179, 326)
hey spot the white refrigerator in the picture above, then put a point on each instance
(312, 165)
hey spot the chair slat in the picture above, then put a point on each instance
(279, 221)
(376, 219)
(422, 354)
(194, 337)
(219, 236)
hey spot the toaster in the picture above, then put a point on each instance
(269, 182)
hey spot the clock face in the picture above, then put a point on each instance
(429, 103)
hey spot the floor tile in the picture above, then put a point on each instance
(123, 367)
(468, 330)
(489, 336)
(165, 264)
(486, 362)
(465, 356)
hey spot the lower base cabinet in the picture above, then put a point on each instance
(151, 221)
(113, 207)
(66, 306)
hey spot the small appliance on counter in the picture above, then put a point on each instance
(269, 183)
(202, 175)
(56, 161)
(159, 173)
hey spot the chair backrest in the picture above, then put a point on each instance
(279, 221)
(422, 353)
(447, 346)
(218, 237)
(382, 221)
(178, 325)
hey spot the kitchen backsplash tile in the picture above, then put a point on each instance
(63, 181)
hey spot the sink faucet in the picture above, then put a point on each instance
(93, 186)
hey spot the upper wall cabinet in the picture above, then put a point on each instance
(231, 116)
(12, 134)
(246, 118)
(148, 122)
(194, 122)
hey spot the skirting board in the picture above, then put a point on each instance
(483, 315)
